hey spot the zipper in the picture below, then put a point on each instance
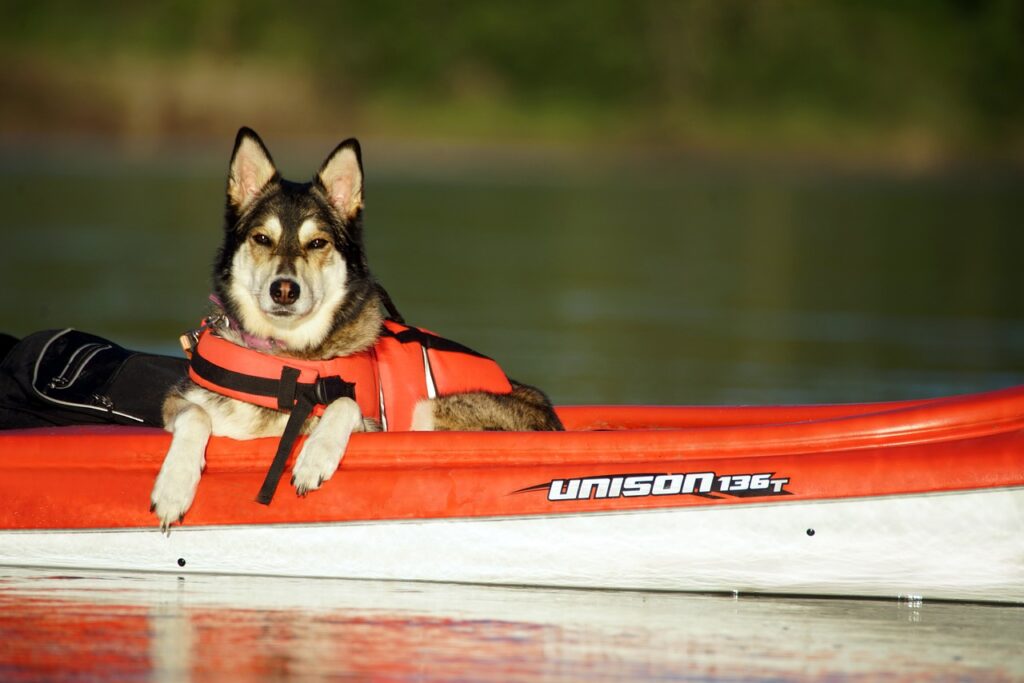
(51, 399)
(103, 402)
(73, 370)
(59, 382)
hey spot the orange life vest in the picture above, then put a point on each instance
(406, 365)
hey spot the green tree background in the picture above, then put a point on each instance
(906, 82)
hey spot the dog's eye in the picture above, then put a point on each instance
(261, 239)
(318, 243)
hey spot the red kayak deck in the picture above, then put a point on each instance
(610, 459)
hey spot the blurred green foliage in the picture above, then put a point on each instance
(922, 75)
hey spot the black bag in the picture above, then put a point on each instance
(67, 377)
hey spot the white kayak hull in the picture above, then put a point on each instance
(959, 546)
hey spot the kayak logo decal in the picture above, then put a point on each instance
(703, 484)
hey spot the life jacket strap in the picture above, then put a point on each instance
(284, 390)
(300, 413)
(300, 399)
(428, 341)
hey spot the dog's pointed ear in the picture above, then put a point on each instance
(341, 178)
(251, 169)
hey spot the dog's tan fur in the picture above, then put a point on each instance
(274, 229)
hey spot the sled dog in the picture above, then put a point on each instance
(297, 312)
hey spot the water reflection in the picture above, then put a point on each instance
(94, 626)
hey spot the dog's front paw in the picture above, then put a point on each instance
(322, 452)
(175, 488)
(316, 463)
(176, 484)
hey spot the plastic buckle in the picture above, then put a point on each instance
(329, 389)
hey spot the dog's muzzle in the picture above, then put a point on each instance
(284, 291)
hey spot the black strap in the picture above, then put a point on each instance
(429, 341)
(300, 413)
(324, 390)
(236, 381)
(286, 388)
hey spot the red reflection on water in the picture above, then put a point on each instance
(144, 628)
(46, 639)
(43, 639)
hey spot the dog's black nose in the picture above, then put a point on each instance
(284, 291)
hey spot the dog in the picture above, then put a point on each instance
(291, 279)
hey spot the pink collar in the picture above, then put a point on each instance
(253, 342)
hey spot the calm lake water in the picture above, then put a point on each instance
(601, 280)
(89, 626)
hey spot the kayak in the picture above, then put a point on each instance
(914, 499)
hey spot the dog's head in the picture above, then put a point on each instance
(292, 266)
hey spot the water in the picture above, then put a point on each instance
(603, 281)
(610, 281)
(87, 626)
